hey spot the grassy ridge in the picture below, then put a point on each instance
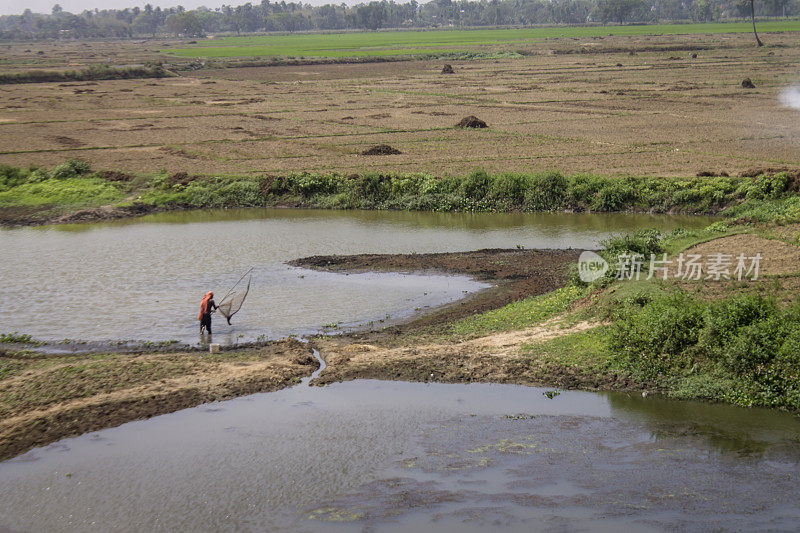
(363, 44)
(95, 72)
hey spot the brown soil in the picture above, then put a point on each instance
(97, 214)
(494, 358)
(109, 391)
(381, 149)
(471, 122)
(777, 257)
(584, 114)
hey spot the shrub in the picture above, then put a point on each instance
(509, 189)
(70, 169)
(546, 192)
(475, 185)
(652, 337)
(614, 196)
(643, 242)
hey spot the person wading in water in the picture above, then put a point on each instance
(206, 306)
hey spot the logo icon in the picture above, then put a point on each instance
(591, 266)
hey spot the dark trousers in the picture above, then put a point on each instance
(205, 322)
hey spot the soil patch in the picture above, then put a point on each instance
(471, 122)
(490, 359)
(381, 149)
(777, 257)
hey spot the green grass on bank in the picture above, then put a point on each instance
(736, 342)
(69, 184)
(364, 44)
(520, 314)
(73, 184)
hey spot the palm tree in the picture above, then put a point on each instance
(753, 18)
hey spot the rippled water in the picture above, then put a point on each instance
(143, 279)
(392, 456)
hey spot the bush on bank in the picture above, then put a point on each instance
(743, 350)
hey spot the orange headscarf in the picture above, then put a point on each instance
(204, 304)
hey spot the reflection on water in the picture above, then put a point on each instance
(724, 427)
(143, 278)
(371, 455)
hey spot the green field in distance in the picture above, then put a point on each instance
(431, 42)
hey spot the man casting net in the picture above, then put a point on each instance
(233, 300)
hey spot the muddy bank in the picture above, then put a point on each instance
(490, 359)
(46, 398)
(516, 274)
(41, 215)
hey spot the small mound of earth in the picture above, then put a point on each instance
(113, 175)
(471, 122)
(711, 173)
(381, 149)
(748, 84)
(448, 69)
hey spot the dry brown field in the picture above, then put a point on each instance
(615, 105)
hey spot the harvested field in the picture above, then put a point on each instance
(566, 105)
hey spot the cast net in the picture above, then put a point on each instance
(233, 300)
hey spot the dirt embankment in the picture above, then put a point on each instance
(38, 215)
(494, 358)
(45, 398)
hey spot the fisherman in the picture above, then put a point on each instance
(206, 306)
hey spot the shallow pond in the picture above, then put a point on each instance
(143, 278)
(394, 456)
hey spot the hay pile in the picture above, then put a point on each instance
(448, 69)
(381, 149)
(471, 122)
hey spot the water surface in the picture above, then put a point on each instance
(394, 456)
(143, 278)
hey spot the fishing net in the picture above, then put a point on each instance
(232, 302)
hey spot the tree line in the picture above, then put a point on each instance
(281, 16)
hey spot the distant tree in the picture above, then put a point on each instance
(184, 23)
(56, 9)
(619, 10)
(147, 21)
